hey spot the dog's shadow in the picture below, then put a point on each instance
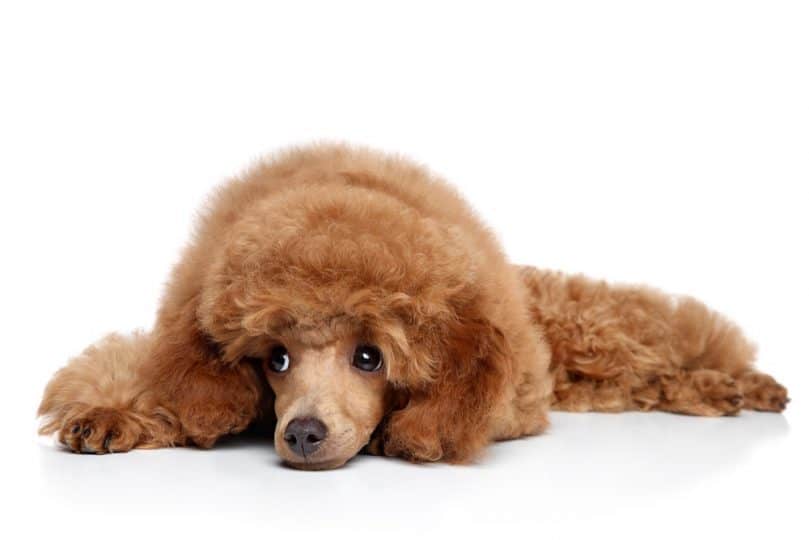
(583, 457)
(640, 451)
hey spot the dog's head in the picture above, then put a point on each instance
(367, 318)
(329, 397)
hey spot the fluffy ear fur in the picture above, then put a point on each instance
(447, 418)
(209, 397)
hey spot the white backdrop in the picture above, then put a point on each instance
(656, 142)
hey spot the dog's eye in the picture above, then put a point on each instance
(279, 359)
(367, 358)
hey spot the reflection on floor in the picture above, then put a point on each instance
(589, 470)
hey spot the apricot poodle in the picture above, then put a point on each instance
(355, 300)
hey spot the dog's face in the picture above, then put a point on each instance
(328, 399)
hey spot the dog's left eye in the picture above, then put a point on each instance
(367, 358)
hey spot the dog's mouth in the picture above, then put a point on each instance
(308, 444)
(327, 449)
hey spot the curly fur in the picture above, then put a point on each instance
(327, 241)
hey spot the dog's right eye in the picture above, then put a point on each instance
(279, 359)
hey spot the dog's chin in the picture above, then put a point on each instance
(330, 457)
(316, 464)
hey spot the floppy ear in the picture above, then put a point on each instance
(448, 418)
(209, 397)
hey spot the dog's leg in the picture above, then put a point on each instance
(633, 348)
(99, 403)
(701, 392)
(188, 376)
(762, 392)
(707, 342)
(208, 399)
(128, 392)
(574, 393)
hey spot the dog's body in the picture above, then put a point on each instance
(365, 299)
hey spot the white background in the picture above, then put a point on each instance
(656, 142)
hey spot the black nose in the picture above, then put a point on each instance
(304, 435)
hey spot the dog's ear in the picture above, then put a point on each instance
(448, 417)
(209, 397)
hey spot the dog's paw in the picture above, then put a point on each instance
(763, 393)
(100, 430)
(206, 423)
(720, 392)
(407, 436)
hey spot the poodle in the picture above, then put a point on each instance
(357, 302)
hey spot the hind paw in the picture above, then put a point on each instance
(763, 393)
(719, 392)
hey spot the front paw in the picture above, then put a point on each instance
(406, 437)
(100, 430)
(204, 424)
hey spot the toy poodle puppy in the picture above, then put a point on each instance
(356, 301)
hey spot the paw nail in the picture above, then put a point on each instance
(86, 433)
(75, 429)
